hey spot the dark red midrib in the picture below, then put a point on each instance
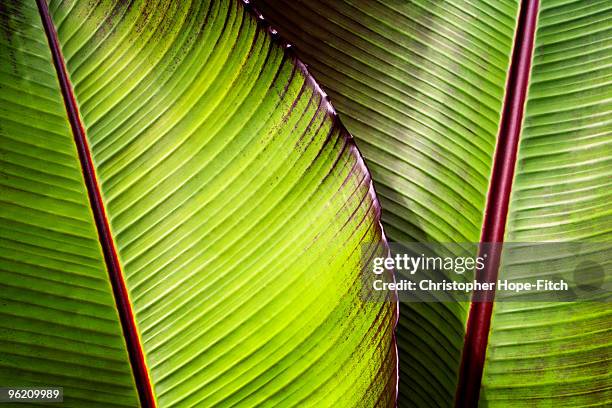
(126, 315)
(496, 212)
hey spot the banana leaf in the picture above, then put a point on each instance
(184, 219)
(421, 85)
(560, 353)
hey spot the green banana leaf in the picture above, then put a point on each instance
(239, 208)
(560, 354)
(421, 84)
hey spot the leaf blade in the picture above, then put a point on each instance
(189, 201)
(57, 303)
(560, 192)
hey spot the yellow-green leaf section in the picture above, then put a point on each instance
(240, 208)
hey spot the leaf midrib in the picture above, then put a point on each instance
(498, 201)
(124, 306)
